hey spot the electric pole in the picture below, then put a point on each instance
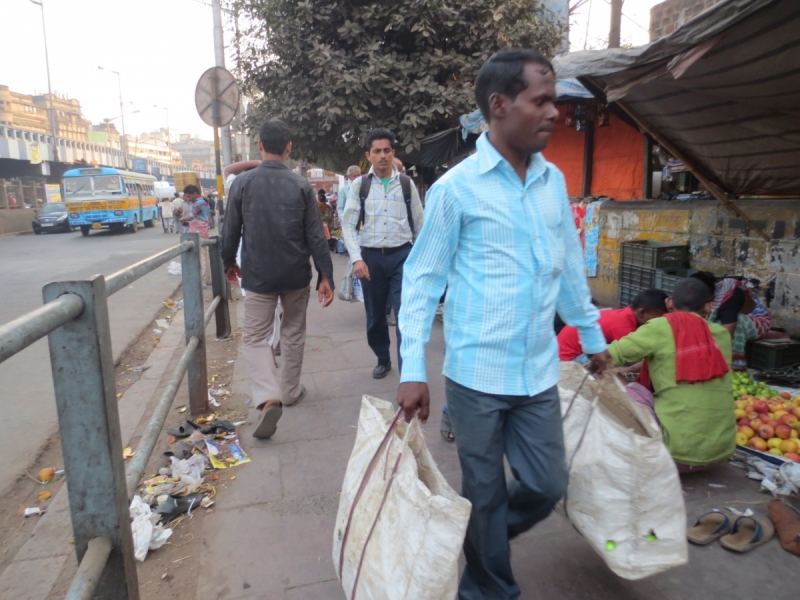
(616, 23)
(219, 60)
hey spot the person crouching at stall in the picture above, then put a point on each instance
(688, 366)
(616, 323)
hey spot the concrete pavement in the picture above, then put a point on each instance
(270, 536)
(30, 261)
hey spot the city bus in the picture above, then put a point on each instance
(99, 197)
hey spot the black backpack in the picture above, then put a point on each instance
(366, 183)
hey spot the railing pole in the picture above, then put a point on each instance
(220, 287)
(88, 419)
(193, 313)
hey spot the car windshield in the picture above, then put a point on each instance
(84, 186)
(55, 207)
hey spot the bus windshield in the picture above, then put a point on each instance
(87, 186)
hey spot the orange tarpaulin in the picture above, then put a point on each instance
(618, 162)
(565, 151)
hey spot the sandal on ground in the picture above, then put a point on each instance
(747, 533)
(268, 419)
(709, 527)
(446, 428)
(184, 430)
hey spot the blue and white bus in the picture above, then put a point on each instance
(99, 197)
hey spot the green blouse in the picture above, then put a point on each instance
(697, 419)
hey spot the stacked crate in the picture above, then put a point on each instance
(645, 264)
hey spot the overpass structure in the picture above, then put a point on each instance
(29, 153)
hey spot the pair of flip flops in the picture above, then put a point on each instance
(744, 534)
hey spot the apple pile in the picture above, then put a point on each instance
(766, 420)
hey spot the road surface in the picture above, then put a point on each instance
(30, 261)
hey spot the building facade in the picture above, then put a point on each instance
(30, 112)
(668, 16)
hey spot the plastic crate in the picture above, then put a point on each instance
(642, 277)
(763, 355)
(666, 280)
(654, 255)
(627, 293)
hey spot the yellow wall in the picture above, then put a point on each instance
(718, 242)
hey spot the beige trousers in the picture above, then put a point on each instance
(205, 265)
(259, 320)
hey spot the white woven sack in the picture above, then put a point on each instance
(624, 493)
(400, 525)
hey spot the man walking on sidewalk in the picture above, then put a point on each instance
(282, 230)
(388, 205)
(499, 235)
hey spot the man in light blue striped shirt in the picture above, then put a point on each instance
(499, 234)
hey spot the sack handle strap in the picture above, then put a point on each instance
(375, 522)
(364, 480)
(583, 433)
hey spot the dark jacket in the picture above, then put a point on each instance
(274, 212)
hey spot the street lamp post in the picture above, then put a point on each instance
(121, 111)
(50, 113)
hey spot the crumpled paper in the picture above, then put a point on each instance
(147, 534)
(777, 480)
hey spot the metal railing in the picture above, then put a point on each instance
(75, 319)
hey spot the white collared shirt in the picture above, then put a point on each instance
(385, 216)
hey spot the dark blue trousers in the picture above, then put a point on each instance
(527, 431)
(384, 285)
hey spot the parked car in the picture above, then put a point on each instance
(52, 217)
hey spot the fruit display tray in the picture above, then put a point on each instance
(770, 458)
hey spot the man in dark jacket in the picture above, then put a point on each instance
(274, 213)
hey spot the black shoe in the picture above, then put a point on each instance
(381, 371)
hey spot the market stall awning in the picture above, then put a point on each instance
(724, 89)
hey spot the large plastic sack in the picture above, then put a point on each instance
(400, 526)
(624, 493)
(147, 533)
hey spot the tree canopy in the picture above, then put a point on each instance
(335, 70)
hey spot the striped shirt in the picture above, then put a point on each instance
(510, 257)
(385, 216)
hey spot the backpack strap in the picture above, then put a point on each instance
(363, 192)
(366, 184)
(405, 184)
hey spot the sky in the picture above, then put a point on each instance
(161, 47)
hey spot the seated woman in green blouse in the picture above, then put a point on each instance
(687, 364)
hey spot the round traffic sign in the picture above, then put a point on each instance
(217, 97)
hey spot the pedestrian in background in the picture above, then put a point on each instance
(391, 215)
(212, 205)
(282, 232)
(177, 213)
(499, 235)
(353, 173)
(165, 208)
(195, 216)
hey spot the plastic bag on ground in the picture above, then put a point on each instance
(624, 493)
(190, 470)
(147, 535)
(400, 525)
(174, 268)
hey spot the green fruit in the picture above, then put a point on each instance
(610, 545)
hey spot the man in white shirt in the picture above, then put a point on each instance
(165, 206)
(391, 215)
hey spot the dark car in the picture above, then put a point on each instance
(52, 217)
